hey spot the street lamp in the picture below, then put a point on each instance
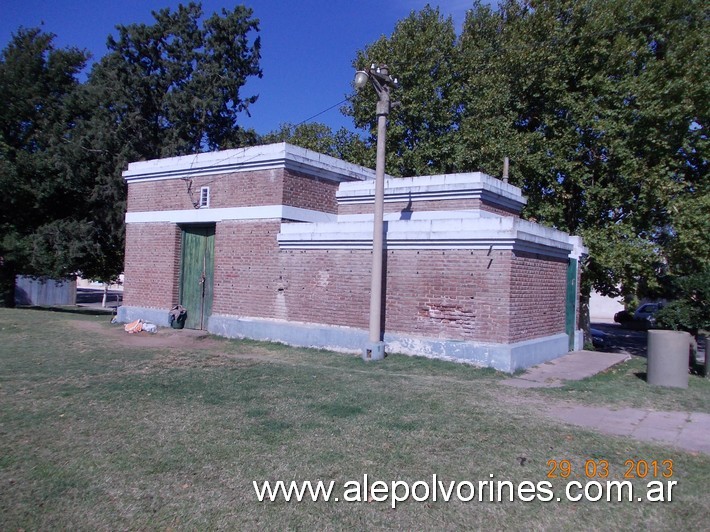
(380, 79)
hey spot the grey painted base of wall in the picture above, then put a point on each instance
(503, 357)
(161, 317)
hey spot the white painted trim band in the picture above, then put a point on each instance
(361, 242)
(496, 232)
(261, 212)
(474, 185)
(266, 157)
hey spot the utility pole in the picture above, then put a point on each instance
(379, 77)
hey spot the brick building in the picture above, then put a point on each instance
(274, 242)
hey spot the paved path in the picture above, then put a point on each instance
(573, 366)
(689, 431)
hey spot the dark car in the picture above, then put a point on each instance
(623, 316)
(647, 312)
(643, 318)
(599, 338)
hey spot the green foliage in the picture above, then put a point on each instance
(601, 105)
(165, 89)
(691, 311)
(43, 210)
(342, 144)
(173, 88)
(676, 316)
(420, 134)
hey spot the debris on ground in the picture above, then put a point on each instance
(133, 327)
(140, 326)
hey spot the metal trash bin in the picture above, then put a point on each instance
(667, 363)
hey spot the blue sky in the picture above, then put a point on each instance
(307, 45)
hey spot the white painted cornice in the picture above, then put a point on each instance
(255, 158)
(474, 185)
(474, 233)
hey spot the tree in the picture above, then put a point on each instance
(691, 309)
(171, 88)
(422, 125)
(601, 105)
(610, 96)
(41, 225)
(342, 144)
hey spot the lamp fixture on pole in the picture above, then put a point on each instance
(379, 77)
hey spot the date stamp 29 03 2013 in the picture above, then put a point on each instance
(632, 469)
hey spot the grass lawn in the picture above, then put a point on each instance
(101, 430)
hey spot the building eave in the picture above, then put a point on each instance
(254, 158)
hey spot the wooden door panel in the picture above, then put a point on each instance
(196, 283)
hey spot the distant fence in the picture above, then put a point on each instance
(38, 291)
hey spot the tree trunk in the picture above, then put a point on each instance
(585, 291)
(7, 284)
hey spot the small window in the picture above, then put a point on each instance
(204, 197)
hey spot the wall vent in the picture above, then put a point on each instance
(204, 197)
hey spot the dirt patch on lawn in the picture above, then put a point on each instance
(164, 338)
(178, 348)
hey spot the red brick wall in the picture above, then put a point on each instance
(327, 286)
(449, 294)
(243, 189)
(538, 293)
(432, 205)
(309, 192)
(152, 266)
(453, 294)
(246, 268)
(497, 296)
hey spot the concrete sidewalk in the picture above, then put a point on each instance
(573, 366)
(689, 431)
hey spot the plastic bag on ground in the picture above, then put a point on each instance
(134, 327)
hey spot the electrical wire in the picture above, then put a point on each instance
(243, 149)
(324, 111)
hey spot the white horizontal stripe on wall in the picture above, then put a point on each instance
(261, 212)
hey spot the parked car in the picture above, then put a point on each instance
(647, 312)
(623, 316)
(599, 338)
(643, 318)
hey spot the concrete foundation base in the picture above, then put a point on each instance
(161, 317)
(373, 351)
(503, 357)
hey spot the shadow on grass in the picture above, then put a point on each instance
(85, 311)
(698, 368)
(695, 370)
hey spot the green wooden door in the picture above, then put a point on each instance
(571, 303)
(196, 280)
